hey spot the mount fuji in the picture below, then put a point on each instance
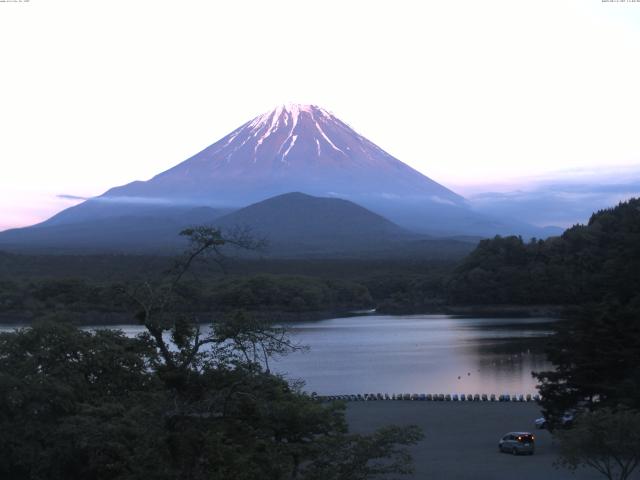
(293, 148)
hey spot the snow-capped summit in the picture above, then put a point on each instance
(283, 119)
(291, 148)
(289, 113)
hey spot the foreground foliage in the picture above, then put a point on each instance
(595, 357)
(76, 404)
(607, 441)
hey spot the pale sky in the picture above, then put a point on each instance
(95, 94)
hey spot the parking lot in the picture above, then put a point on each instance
(461, 439)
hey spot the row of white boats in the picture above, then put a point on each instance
(430, 397)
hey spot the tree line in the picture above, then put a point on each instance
(90, 302)
(587, 263)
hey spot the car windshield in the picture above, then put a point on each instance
(525, 438)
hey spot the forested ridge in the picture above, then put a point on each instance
(90, 302)
(87, 288)
(586, 263)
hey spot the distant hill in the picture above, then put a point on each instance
(101, 208)
(294, 224)
(299, 221)
(587, 263)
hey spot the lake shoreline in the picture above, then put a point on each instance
(88, 319)
(512, 311)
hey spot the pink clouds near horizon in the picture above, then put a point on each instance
(26, 209)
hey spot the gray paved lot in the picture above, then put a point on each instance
(461, 439)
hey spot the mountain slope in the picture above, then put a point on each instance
(294, 225)
(292, 148)
(141, 231)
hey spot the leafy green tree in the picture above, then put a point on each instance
(595, 357)
(82, 405)
(75, 404)
(256, 340)
(607, 441)
(359, 457)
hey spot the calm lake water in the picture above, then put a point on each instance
(415, 354)
(419, 354)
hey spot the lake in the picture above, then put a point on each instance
(415, 354)
(419, 354)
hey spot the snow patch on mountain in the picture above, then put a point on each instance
(293, 142)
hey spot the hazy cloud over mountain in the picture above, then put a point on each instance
(568, 199)
(65, 196)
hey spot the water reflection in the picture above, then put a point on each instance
(419, 353)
